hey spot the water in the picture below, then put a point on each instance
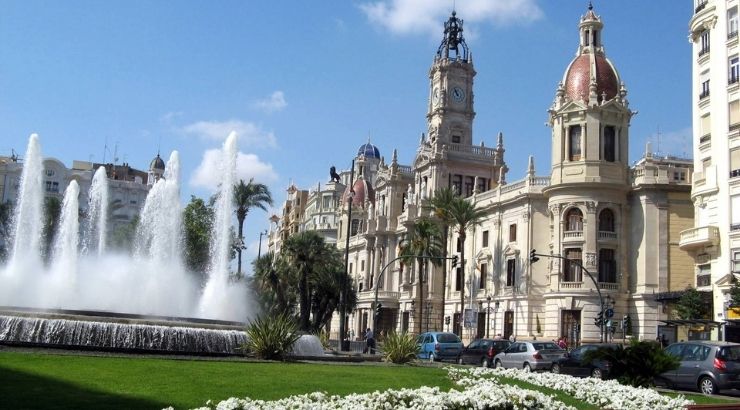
(83, 274)
(308, 345)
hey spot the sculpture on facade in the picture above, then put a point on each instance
(333, 174)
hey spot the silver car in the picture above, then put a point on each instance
(529, 355)
(705, 365)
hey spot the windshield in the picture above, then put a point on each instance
(729, 353)
(447, 338)
(545, 346)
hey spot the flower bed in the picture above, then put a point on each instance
(606, 394)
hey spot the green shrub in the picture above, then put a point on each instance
(637, 364)
(399, 347)
(272, 337)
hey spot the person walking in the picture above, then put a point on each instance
(369, 341)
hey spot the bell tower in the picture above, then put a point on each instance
(450, 112)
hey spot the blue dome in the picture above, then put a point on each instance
(369, 151)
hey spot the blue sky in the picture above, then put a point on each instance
(305, 83)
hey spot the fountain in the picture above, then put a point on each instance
(88, 296)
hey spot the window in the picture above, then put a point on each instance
(457, 183)
(327, 202)
(485, 239)
(48, 186)
(732, 23)
(469, 181)
(704, 43)
(736, 261)
(574, 220)
(734, 114)
(456, 139)
(735, 163)
(483, 275)
(362, 266)
(510, 271)
(458, 278)
(606, 221)
(354, 227)
(587, 37)
(572, 265)
(512, 233)
(704, 275)
(49, 172)
(482, 184)
(706, 125)
(734, 74)
(459, 244)
(607, 266)
(610, 144)
(574, 143)
(704, 89)
(735, 213)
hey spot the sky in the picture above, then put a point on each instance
(305, 83)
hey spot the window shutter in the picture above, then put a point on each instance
(706, 124)
(735, 112)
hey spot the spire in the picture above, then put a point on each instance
(453, 40)
(530, 167)
(500, 141)
(590, 6)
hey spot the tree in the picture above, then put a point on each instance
(463, 215)
(439, 204)
(306, 251)
(423, 242)
(52, 212)
(326, 287)
(6, 218)
(248, 196)
(735, 292)
(274, 283)
(692, 305)
(198, 220)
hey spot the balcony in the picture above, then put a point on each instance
(735, 173)
(607, 235)
(732, 35)
(571, 285)
(700, 7)
(608, 286)
(699, 237)
(573, 235)
(704, 94)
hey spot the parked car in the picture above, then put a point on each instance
(529, 355)
(708, 366)
(439, 346)
(482, 351)
(574, 364)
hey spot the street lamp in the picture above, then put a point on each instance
(488, 317)
(343, 283)
(259, 248)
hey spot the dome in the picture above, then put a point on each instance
(578, 77)
(363, 191)
(369, 151)
(157, 164)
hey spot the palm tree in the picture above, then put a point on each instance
(247, 196)
(274, 282)
(306, 252)
(424, 242)
(463, 215)
(439, 203)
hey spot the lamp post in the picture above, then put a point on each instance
(488, 316)
(259, 247)
(343, 284)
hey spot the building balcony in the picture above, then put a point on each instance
(608, 286)
(699, 237)
(700, 7)
(704, 94)
(573, 235)
(368, 295)
(605, 235)
(571, 285)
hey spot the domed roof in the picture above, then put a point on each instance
(157, 164)
(369, 151)
(363, 191)
(578, 77)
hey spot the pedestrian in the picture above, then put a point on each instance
(563, 342)
(369, 341)
(512, 338)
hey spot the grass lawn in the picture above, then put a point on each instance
(49, 381)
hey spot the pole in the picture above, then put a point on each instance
(488, 317)
(259, 248)
(596, 285)
(343, 284)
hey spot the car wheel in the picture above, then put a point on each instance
(485, 362)
(460, 360)
(555, 368)
(596, 373)
(527, 367)
(498, 364)
(708, 386)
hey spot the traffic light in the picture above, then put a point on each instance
(454, 261)
(599, 320)
(447, 320)
(377, 308)
(533, 256)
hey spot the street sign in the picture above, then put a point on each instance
(610, 313)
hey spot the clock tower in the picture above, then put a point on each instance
(450, 113)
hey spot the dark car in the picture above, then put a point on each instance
(708, 366)
(481, 351)
(574, 363)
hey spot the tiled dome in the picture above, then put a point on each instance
(363, 191)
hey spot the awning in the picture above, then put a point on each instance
(691, 322)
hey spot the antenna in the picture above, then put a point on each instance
(657, 136)
(115, 153)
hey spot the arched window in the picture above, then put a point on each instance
(606, 221)
(574, 220)
(574, 143)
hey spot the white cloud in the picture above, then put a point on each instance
(248, 132)
(208, 173)
(273, 103)
(426, 16)
(676, 143)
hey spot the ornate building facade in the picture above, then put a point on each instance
(601, 226)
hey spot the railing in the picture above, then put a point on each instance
(701, 236)
(608, 286)
(607, 235)
(514, 186)
(541, 181)
(571, 285)
(734, 227)
(472, 149)
(735, 173)
(700, 7)
(732, 35)
(705, 138)
(387, 294)
(704, 94)
(405, 169)
(704, 51)
(573, 235)
(733, 80)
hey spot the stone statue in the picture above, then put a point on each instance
(333, 174)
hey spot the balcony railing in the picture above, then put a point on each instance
(735, 173)
(607, 235)
(573, 235)
(700, 7)
(571, 285)
(732, 35)
(698, 237)
(734, 227)
(704, 94)
(733, 79)
(704, 51)
(608, 286)
(705, 138)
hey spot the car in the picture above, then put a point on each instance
(482, 351)
(529, 355)
(574, 364)
(435, 346)
(708, 366)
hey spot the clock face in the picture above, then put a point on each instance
(458, 95)
(435, 96)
